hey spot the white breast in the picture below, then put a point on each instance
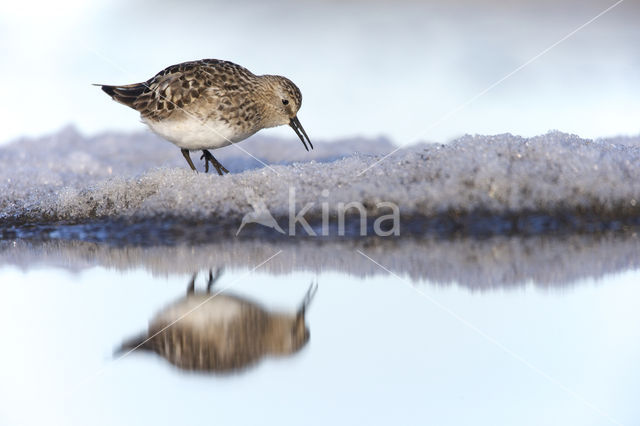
(193, 134)
(201, 311)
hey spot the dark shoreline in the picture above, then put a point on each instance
(170, 230)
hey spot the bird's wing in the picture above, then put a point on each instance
(178, 86)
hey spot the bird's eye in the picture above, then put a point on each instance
(285, 101)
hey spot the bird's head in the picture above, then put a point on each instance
(289, 333)
(284, 101)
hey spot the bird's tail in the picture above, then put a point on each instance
(126, 94)
(140, 342)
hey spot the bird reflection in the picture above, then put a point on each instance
(221, 332)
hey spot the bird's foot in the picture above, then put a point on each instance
(206, 155)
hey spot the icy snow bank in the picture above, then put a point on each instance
(71, 178)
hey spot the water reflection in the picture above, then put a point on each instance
(221, 332)
(501, 261)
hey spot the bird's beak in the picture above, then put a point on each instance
(297, 127)
(313, 288)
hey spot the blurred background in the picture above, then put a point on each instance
(366, 68)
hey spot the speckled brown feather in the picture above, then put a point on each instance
(210, 103)
(244, 343)
(185, 84)
(223, 346)
(193, 86)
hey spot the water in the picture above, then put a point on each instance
(509, 296)
(495, 331)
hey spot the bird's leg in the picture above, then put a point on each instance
(215, 163)
(192, 284)
(187, 157)
(213, 279)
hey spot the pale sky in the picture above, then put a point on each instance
(365, 68)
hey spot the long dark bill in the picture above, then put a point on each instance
(313, 288)
(297, 127)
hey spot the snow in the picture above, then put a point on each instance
(137, 177)
(65, 195)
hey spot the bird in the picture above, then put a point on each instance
(221, 332)
(211, 103)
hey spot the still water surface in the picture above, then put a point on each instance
(381, 348)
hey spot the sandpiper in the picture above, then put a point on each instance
(221, 332)
(208, 104)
